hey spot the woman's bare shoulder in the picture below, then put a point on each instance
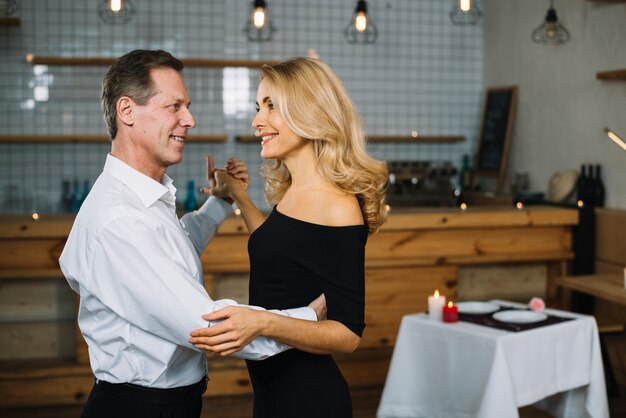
(338, 209)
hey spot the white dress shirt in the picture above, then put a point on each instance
(137, 269)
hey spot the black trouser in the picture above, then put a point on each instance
(108, 400)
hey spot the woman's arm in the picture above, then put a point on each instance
(233, 333)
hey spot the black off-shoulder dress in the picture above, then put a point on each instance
(291, 263)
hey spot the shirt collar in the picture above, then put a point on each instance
(147, 189)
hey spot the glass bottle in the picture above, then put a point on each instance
(599, 191)
(191, 202)
(465, 176)
(77, 197)
(581, 185)
(66, 197)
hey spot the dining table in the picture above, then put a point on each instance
(479, 367)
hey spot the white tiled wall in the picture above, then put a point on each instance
(423, 74)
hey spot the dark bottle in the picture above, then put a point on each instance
(191, 202)
(599, 191)
(77, 197)
(590, 192)
(581, 185)
(86, 189)
(66, 197)
(465, 175)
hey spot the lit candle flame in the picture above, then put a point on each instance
(437, 294)
(465, 5)
(450, 304)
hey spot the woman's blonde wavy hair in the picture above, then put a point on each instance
(315, 105)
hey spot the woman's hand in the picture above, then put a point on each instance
(238, 327)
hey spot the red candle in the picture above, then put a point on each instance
(450, 313)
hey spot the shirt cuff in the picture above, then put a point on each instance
(216, 208)
(306, 313)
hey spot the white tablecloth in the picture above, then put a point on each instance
(464, 370)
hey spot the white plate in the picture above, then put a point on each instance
(477, 307)
(519, 317)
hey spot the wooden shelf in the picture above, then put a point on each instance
(189, 62)
(91, 139)
(34, 273)
(383, 139)
(416, 140)
(612, 75)
(248, 139)
(10, 21)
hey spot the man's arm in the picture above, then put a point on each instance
(142, 277)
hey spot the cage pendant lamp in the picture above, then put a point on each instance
(116, 11)
(550, 31)
(361, 29)
(259, 27)
(465, 12)
(8, 7)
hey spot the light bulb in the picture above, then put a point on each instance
(360, 23)
(116, 5)
(465, 5)
(259, 18)
(551, 30)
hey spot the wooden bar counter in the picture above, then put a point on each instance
(44, 359)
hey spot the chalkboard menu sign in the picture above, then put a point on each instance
(499, 109)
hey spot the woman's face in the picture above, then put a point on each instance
(278, 141)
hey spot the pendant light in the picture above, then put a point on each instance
(8, 7)
(550, 32)
(361, 29)
(259, 26)
(465, 12)
(116, 11)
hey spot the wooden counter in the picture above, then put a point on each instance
(44, 362)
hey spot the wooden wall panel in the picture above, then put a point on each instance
(610, 236)
(611, 258)
(226, 253)
(36, 340)
(231, 286)
(518, 282)
(393, 293)
(35, 253)
(35, 300)
(443, 246)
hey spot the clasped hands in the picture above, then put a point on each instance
(223, 182)
(238, 327)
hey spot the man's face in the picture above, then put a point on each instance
(160, 126)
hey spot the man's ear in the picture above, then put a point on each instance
(125, 107)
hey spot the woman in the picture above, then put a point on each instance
(328, 195)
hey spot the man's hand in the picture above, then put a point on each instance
(239, 326)
(223, 183)
(319, 306)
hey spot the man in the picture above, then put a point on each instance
(135, 265)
